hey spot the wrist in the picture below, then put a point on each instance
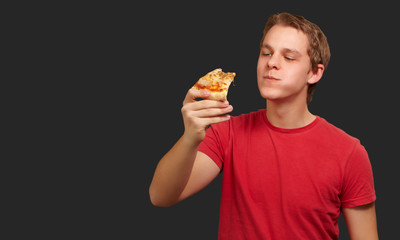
(190, 140)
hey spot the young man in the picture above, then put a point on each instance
(288, 174)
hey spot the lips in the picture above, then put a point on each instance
(271, 78)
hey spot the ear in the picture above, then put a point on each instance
(316, 75)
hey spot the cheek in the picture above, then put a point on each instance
(260, 67)
(260, 62)
(298, 76)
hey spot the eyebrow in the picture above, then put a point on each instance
(285, 50)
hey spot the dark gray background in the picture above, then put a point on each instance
(130, 66)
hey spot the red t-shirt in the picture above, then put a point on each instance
(286, 183)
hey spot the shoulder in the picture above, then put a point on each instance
(335, 133)
(336, 141)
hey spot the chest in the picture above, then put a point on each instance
(297, 169)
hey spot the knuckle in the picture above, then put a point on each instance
(185, 111)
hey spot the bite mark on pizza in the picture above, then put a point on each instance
(217, 83)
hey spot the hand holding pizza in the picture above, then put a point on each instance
(198, 115)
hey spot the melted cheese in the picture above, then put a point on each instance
(215, 81)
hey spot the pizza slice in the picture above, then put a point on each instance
(217, 83)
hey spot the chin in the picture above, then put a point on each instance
(269, 94)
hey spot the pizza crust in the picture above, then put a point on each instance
(218, 96)
(217, 83)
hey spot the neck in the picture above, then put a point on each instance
(288, 115)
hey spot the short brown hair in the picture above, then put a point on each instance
(318, 48)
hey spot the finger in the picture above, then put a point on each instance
(212, 112)
(206, 122)
(192, 94)
(218, 119)
(204, 104)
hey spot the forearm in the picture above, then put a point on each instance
(172, 173)
(174, 169)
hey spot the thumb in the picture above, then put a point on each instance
(194, 94)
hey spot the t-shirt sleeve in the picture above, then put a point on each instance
(358, 183)
(215, 142)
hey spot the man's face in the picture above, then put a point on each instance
(284, 67)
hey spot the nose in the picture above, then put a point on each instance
(273, 62)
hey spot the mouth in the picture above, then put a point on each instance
(271, 78)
